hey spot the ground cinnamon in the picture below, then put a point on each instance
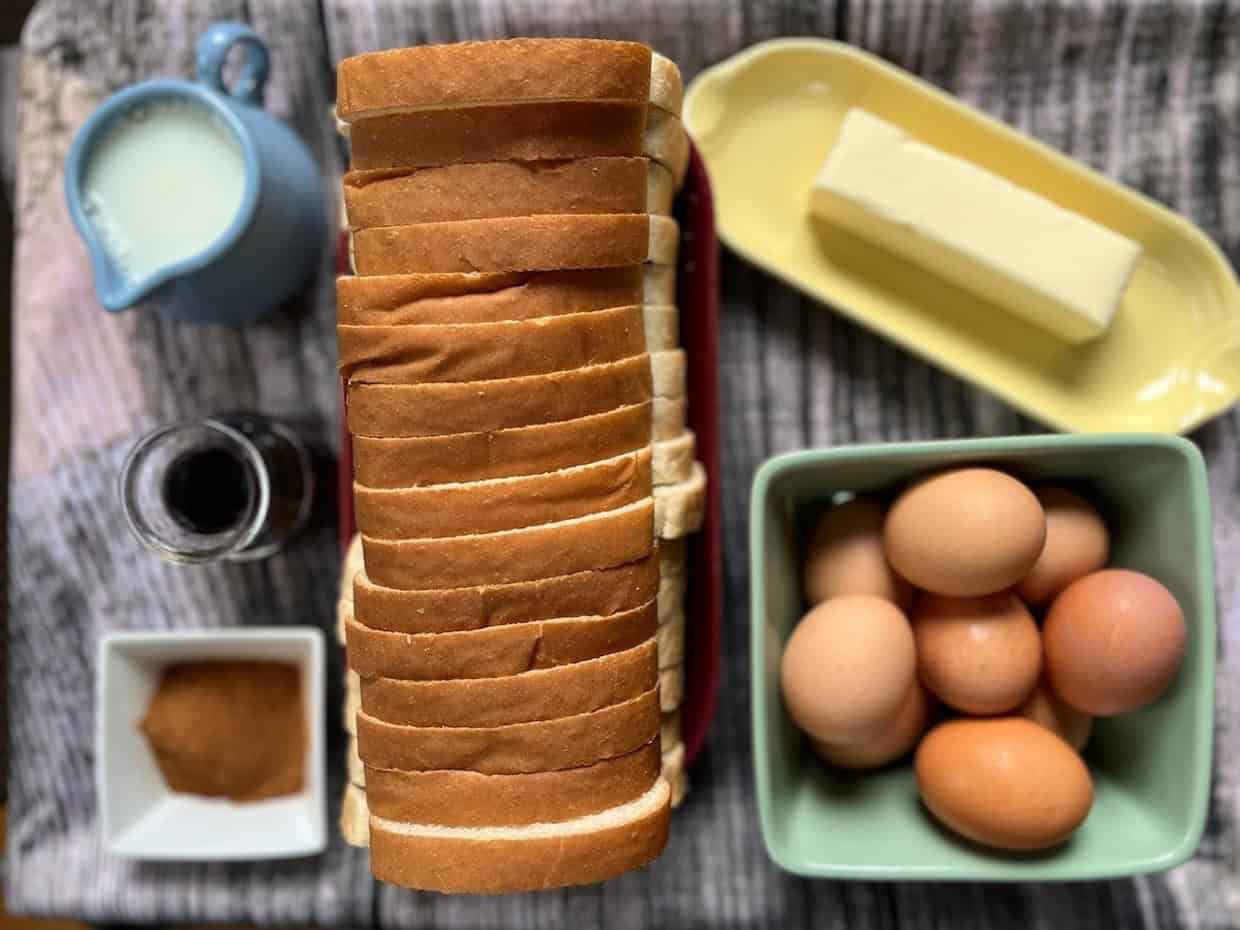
(229, 729)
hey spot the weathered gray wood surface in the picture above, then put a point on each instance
(1149, 92)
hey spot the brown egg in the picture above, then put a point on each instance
(845, 555)
(1077, 543)
(895, 740)
(981, 655)
(847, 668)
(1114, 641)
(965, 533)
(1003, 781)
(1068, 723)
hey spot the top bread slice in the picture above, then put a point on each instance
(517, 70)
(398, 299)
(483, 190)
(516, 243)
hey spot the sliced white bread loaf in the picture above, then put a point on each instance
(480, 190)
(539, 746)
(674, 458)
(516, 243)
(680, 508)
(497, 651)
(671, 595)
(520, 70)
(472, 799)
(540, 694)
(390, 300)
(591, 593)
(662, 325)
(497, 504)
(493, 860)
(482, 351)
(672, 559)
(447, 408)
(601, 540)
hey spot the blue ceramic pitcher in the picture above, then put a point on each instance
(265, 251)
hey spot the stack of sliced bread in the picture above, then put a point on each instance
(513, 605)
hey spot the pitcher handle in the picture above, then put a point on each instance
(213, 49)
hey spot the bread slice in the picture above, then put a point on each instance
(670, 370)
(664, 139)
(353, 764)
(355, 817)
(493, 652)
(671, 596)
(352, 701)
(594, 593)
(670, 417)
(516, 243)
(446, 408)
(675, 774)
(672, 560)
(680, 508)
(671, 639)
(511, 453)
(389, 300)
(601, 540)
(349, 567)
(539, 746)
(494, 505)
(471, 799)
(540, 694)
(674, 458)
(671, 689)
(669, 730)
(483, 351)
(494, 860)
(481, 190)
(516, 70)
(662, 326)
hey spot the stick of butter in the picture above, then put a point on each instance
(1056, 269)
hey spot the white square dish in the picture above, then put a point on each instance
(141, 817)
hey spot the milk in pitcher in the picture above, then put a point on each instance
(164, 182)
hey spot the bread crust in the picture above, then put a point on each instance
(493, 866)
(480, 190)
(540, 746)
(387, 300)
(509, 453)
(471, 799)
(509, 132)
(483, 351)
(599, 541)
(515, 243)
(539, 694)
(493, 652)
(445, 408)
(503, 504)
(503, 70)
(601, 592)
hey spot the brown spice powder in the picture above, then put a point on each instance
(229, 729)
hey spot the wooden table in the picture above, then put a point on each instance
(1149, 93)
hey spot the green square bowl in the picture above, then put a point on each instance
(1151, 768)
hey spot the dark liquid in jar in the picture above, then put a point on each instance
(208, 490)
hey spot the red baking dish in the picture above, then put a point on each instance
(698, 298)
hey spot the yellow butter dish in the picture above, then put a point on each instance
(765, 121)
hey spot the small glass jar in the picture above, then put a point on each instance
(232, 487)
